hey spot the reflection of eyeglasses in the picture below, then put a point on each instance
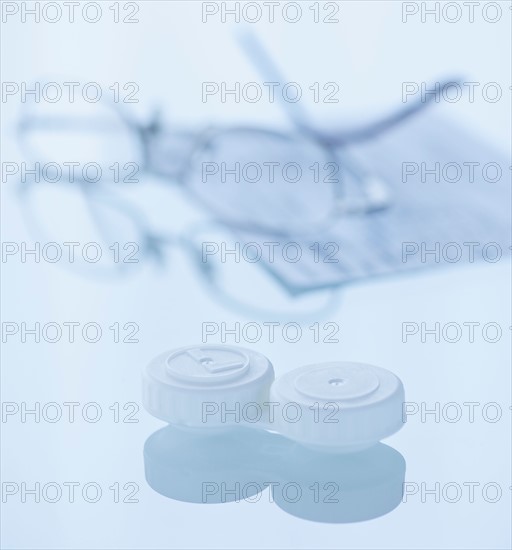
(267, 182)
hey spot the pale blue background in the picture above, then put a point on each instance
(169, 53)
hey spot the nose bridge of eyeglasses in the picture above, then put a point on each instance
(169, 151)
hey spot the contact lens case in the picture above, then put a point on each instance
(334, 406)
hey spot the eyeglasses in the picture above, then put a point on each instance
(248, 179)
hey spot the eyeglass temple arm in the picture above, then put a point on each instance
(255, 51)
(374, 189)
(367, 131)
(263, 62)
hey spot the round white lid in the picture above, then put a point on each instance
(181, 385)
(343, 406)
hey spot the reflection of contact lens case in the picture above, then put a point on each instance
(215, 467)
(338, 406)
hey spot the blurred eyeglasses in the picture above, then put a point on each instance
(278, 184)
